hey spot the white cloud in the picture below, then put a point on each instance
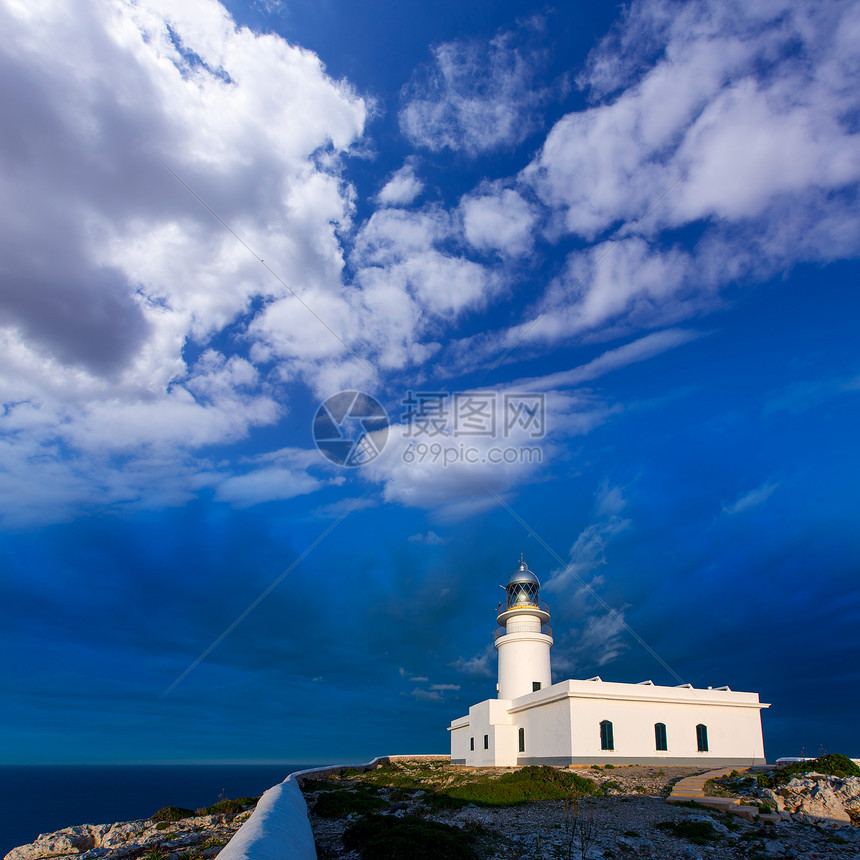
(265, 485)
(480, 665)
(574, 581)
(402, 188)
(751, 499)
(112, 267)
(499, 222)
(713, 121)
(475, 97)
(641, 349)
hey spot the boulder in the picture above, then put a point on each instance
(821, 804)
(69, 840)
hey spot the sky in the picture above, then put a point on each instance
(315, 315)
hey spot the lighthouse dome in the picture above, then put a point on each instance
(523, 574)
(523, 587)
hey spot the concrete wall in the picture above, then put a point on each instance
(547, 731)
(279, 828)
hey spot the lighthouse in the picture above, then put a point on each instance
(523, 637)
(582, 722)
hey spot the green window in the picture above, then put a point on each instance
(607, 741)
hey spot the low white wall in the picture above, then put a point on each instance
(279, 828)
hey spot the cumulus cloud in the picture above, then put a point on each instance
(402, 188)
(110, 267)
(500, 222)
(476, 97)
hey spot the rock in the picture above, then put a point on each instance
(718, 827)
(774, 799)
(637, 844)
(822, 803)
(70, 840)
(848, 791)
(774, 847)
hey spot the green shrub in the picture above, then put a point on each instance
(339, 804)
(535, 782)
(834, 764)
(698, 832)
(385, 837)
(609, 766)
(172, 813)
(228, 807)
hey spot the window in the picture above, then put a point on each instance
(607, 742)
(702, 737)
(472, 744)
(522, 740)
(535, 686)
(486, 742)
(660, 736)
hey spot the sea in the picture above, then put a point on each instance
(38, 799)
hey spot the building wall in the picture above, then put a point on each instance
(733, 732)
(547, 733)
(562, 726)
(460, 741)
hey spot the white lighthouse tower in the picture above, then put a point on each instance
(523, 638)
(580, 722)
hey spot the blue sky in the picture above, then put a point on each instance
(216, 217)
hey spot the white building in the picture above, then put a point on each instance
(534, 721)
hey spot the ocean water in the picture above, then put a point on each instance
(38, 799)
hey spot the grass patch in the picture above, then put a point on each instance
(339, 804)
(172, 813)
(445, 789)
(228, 807)
(384, 837)
(535, 782)
(697, 832)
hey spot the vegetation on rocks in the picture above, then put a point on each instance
(229, 807)
(172, 813)
(834, 764)
(446, 790)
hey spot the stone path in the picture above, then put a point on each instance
(693, 788)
